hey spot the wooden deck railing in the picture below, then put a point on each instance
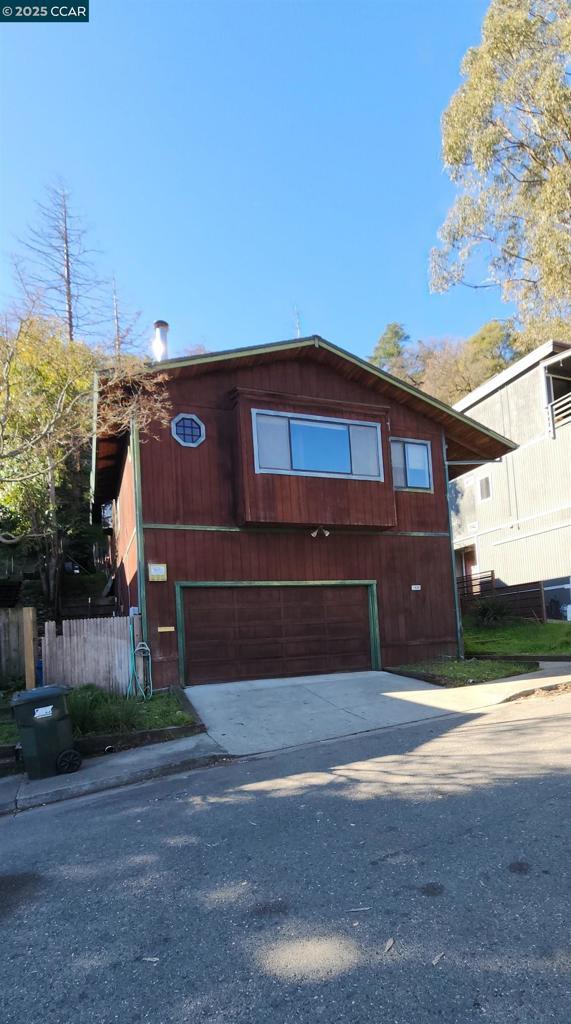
(475, 584)
(559, 412)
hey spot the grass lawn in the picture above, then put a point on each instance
(7, 732)
(95, 711)
(453, 672)
(518, 636)
(161, 710)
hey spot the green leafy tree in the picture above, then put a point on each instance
(451, 369)
(46, 427)
(444, 367)
(507, 146)
(395, 353)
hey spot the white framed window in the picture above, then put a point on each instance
(484, 488)
(188, 429)
(302, 445)
(412, 464)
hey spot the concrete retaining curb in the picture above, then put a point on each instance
(18, 793)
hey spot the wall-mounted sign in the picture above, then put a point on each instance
(165, 629)
(157, 572)
(416, 586)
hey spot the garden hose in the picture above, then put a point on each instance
(140, 689)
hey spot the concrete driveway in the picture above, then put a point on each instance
(273, 714)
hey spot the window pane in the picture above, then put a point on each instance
(365, 451)
(397, 458)
(560, 387)
(188, 429)
(321, 447)
(273, 442)
(557, 601)
(485, 489)
(417, 471)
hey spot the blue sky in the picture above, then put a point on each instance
(237, 159)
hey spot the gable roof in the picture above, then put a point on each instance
(466, 439)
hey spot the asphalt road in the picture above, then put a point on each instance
(412, 875)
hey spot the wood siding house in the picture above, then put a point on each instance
(293, 519)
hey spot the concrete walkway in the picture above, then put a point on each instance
(273, 714)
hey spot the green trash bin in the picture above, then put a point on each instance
(46, 732)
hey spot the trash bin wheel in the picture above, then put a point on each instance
(68, 761)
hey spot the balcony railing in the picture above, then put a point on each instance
(559, 412)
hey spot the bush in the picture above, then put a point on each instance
(119, 714)
(95, 710)
(490, 611)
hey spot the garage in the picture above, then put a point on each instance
(256, 631)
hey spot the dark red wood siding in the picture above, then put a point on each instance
(234, 633)
(274, 498)
(205, 486)
(413, 624)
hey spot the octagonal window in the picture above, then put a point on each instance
(188, 429)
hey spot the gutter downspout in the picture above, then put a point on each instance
(141, 582)
(93, 445)
(458, 613)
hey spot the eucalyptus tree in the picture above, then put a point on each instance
(506, 140)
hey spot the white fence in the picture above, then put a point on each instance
(89, 651)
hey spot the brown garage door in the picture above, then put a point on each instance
(234, 633)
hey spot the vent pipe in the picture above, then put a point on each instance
(160, 348)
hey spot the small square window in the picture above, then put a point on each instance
(485, 488)
(411, 463)
(188, 430)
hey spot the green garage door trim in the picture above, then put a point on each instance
(371, 585)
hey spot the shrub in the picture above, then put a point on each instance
(490, 611)
(118, 714)
(96, 710)
(82, 703)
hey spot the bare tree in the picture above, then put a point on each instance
(126, 333)
(57, 262)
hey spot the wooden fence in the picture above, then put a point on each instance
(11, 644)
(525, 600)
(89, 651)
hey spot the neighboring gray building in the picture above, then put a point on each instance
(514, 516)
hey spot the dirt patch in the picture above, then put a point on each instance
(547, 691)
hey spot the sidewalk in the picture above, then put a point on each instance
(17, 792)
(387, 701)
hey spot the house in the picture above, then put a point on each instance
(513, 516)
(292, 519)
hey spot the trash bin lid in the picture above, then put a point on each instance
(33, 696)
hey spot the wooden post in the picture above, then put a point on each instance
(30, 636)
(543, 607)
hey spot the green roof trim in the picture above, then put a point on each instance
(315, 341)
